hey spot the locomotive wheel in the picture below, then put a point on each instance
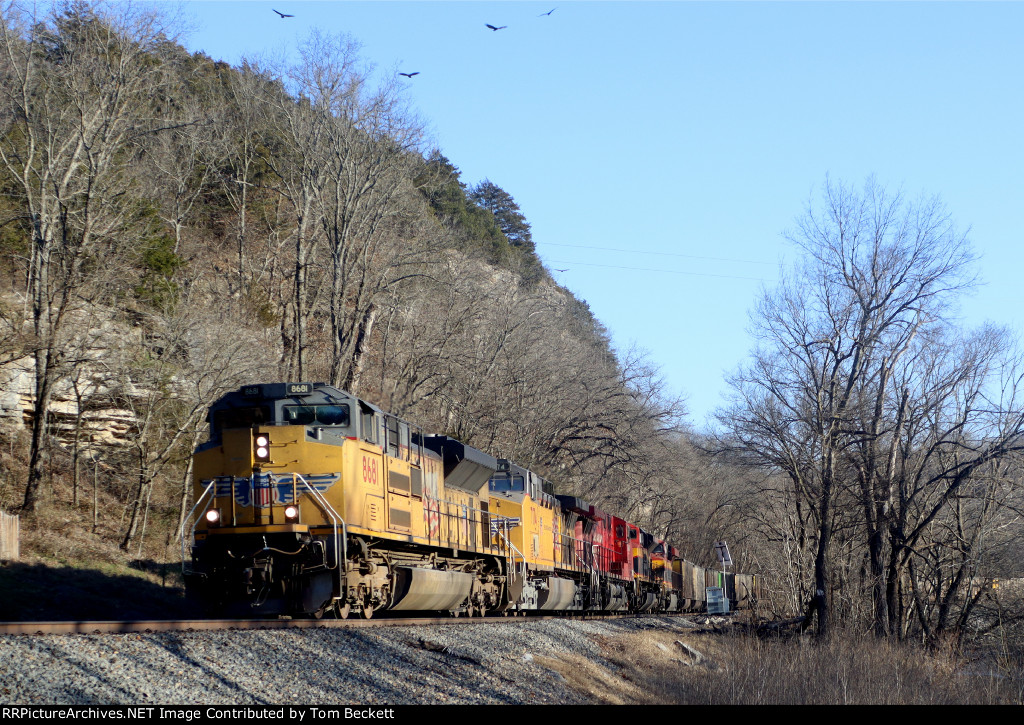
(341, 611)
(367, 612)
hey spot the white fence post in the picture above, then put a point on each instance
(9, 535)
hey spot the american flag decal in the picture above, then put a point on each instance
(262, 494)
(504, 523)
(263, 491)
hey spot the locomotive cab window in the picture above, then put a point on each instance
(369, 423)
(391, 433)
(507, 484)
(333, 415)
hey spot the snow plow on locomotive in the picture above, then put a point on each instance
(310, 501)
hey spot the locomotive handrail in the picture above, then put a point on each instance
(466, 509)
(340, 545)
(511, 546)
(181, 531)
(593, 571)
(595, 575)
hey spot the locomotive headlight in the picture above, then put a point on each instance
(291, 513)
(213, 517)
(262, 451)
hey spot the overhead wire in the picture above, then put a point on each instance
(663, 254)
(649, 269)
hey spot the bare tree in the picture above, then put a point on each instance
(369, 153)
(189, 356)
(302, 124)
(75, 89)
(957, 426)
(180, 157)
(879, 276)
(422, 335)
(237, 151)
(522, 371)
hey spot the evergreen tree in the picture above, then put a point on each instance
(511, 221)
(439, 182)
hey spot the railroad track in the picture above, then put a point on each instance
(199, 625)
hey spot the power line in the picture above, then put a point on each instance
(647, 269)
(663, 254)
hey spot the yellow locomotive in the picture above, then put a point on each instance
(310, 500)
(546, 575)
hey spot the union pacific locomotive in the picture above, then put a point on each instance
(311, 501)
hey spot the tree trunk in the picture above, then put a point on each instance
(139, 508)
(38, 451)
(362, 344)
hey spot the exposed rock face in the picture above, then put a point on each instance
(102, 423)
(98, 344)
(16, 393)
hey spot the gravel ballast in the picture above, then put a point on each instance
(504, 662)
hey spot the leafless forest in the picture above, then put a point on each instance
(172, 227)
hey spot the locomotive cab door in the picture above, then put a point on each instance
(398, 475)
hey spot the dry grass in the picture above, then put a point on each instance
(603, 684)
(70, 569)
(651, 668)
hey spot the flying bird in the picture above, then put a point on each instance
(409, 75)
(547, 13)
(494, 28)
(283, 15)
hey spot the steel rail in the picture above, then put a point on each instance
(213, 625)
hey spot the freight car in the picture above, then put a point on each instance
(309, 501)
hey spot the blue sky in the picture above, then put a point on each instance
(660, 149)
